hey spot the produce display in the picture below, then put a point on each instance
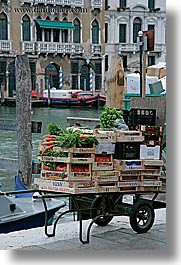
(81, 160)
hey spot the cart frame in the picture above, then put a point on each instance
(104, 206)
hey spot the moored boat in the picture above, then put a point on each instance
(71, 97)
(25, 211)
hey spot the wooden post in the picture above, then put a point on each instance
(115, 82)
(2, 93)
(23, 118)
(144, 75)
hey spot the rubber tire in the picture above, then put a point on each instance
(102, 221)
(134, 222)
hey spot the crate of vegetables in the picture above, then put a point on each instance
(79, 172)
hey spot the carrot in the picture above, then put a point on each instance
(48, 138)
(83, 136)
(46, 149)
(49, 142)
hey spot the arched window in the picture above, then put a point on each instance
(26, 28)
(3, 27)
(64, 33)
(56, 33)
(95, 32)
(47, 33)
(38, 31)
(76, 31)
(136, 28)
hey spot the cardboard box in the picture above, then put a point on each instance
(149, 152)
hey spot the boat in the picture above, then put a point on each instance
(25, 212)
(71, 97)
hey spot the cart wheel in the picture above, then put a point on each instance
(142, 216)
(97, 206)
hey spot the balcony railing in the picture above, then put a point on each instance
(28, 47)
(63, 48)
(96, 49)
(75, 3)
(133, 47)
(5, 46)
(96, 4)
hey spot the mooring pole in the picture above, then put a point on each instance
(23, 118)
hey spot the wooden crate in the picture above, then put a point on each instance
(106, 148)
(55, 175)
(77, 150)
(153, 162)
(129, 136)
(54, 159)
(105, 173)
(102, 166)
(103, 158)
(151, 130)
(129, 178)
(105, 136)
(127, 165)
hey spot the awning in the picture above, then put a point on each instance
(47, 24)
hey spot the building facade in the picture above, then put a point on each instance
(75, 36)
(124, 19)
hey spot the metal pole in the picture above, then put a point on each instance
(140, 34)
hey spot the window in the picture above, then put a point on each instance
(26, 28)
(151, 4)
(151, 60)
(136, 29)
(122, 33)
(95, 32)
(122, 3)
(2, 72)
(56, 33)
(106, 32)
(74, 71)
(3, 27)
(124, 60)
(38, 31)
(151, 27)
(106, 62)
(64, 35)
(76, 31)
(47, 33)
(98, 75)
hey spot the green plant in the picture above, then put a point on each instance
(108, 117)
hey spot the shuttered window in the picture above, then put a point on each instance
(95, 32)
(122, 33)
(76, 31)
(3, 27)
(26, 28)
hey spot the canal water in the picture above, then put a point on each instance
(8, 143)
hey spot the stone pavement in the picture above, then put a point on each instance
(117, 235)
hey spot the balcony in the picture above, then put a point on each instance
(96, 49)
(133, 47)
(28, 47)
(71, 3)
(5, 46)
(96, 4)
(58, 48)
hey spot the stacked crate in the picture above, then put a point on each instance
(71, 173)
(105, 178)
(123, 161)
(140, 172)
